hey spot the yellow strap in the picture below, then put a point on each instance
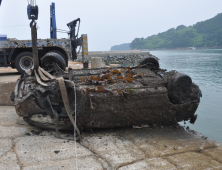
(34, 47)
(67, 105)
(46, 73)
(65, 99)
(39, 80)
(42, 76)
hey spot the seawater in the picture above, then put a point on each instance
(205, 68)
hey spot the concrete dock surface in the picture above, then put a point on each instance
(24, 147)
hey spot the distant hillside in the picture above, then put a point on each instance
(125, 46)
(206, 33)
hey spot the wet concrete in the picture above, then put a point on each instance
(28, 148)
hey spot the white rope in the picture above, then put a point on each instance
(75, 124)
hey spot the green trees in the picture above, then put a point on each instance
(205, 33)
(138, 43)
(180, 27)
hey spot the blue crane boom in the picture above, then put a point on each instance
(53, 34)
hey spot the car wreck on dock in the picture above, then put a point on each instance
(108, 97)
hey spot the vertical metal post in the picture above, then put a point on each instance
(85, 54)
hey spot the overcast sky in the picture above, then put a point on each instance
(107, 22)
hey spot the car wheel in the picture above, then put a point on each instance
(47, 62)
(180, 88)
(151, 62)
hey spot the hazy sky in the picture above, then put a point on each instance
(107, 22)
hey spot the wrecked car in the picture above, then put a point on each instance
(107, 98)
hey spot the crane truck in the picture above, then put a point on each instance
(18, 53)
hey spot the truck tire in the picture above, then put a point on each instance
(48, 60)
(24, 61)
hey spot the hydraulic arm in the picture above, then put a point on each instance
(75, 41)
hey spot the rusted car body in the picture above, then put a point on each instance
(107, 98)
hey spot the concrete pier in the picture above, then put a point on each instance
(23, 147)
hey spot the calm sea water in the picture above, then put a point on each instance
(205, 69)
